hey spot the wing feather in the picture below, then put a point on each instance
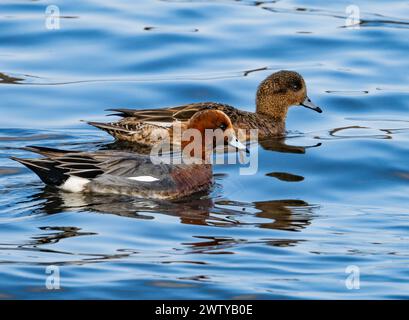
(170, 114)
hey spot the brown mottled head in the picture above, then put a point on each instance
(281, 90)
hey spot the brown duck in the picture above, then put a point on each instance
(275, 95)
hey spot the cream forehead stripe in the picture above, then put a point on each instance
(144, 178)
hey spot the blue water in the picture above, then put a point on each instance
(332, 194)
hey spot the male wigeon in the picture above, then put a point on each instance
(130, 173)
(275, 95)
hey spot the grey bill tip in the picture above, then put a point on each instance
(307, 103)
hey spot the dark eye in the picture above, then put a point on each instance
(223, 126)
(296, 85)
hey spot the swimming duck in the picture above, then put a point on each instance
(275, 95)
(130, 173)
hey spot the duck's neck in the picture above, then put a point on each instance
(270, 109)
(270, 106)
(270, 118)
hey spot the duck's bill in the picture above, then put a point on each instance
(234, 142)
(310, 105)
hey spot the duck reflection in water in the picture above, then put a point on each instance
(288, 215)
(277, 144)
(280, 145)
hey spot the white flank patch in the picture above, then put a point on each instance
(144, 178)
(74, 184)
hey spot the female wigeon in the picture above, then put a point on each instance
(130, 173)
(275, 95)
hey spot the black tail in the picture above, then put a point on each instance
(46, 170)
